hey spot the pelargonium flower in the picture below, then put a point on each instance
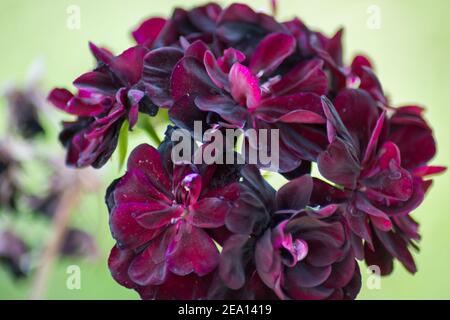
(196, 85)
(196, 24)
(107, 96)
(297, 251)
(361, 76)
(307, 258)
(363, 160)
(237, 26)
(165, 218)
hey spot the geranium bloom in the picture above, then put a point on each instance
(164, 217)
(187, 231)
(236, 26)
(196, 24)
(106, 97)
(244, 97)
(368, 165)
(298, 252)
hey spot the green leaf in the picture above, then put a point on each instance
(145, 124)
(123, 144)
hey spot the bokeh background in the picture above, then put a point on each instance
(411, 51)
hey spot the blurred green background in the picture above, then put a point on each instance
(410, 50)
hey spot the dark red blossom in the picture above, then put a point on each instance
(380, 192)
(187, 231)
(196, 85)
(298, 252)
(164, 217)
(107, 96)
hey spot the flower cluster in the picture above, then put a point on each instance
(221, 231)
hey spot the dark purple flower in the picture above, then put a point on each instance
(107, 96)
(196, 85)
(361, 76)
(306, 258)
(299, 252)
(13, 254)
(368, 165)
(197, 24)
(164, 217)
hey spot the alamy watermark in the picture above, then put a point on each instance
(73, 281)
(260, 147)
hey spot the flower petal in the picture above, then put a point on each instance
(192, 251)
(146, 34)
(244, 86)
(158, 67)
(271, 52)
(209, 213)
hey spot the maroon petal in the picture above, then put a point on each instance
(150, 267)
(144, 271)
(397, 247)
(60, 98)
(135, 187)
(225, 107)
(78, 107)
(229, 58)
(148, 160)
(315, 293)
(190, 287)
(355, 107)
(129, 65)
(126, 230)
(271, 52)
(339, 165)
(342, 272)
(232, 264)
(158, 67)
(301, 187)
(379, 257)
(118, 263)
(244, 86)
(306, 77)
(97, 82)
(392, 181)
(156, 215)
(146, 34)
(373, 142)
(217, 75)
(184, 113)
(307, 276)
(190, 78)
(358, 223)
(299, 108)
(320, 255)
(413, 137)
(102, 55)
(192, 251)
(134, 97)
(209, 213)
